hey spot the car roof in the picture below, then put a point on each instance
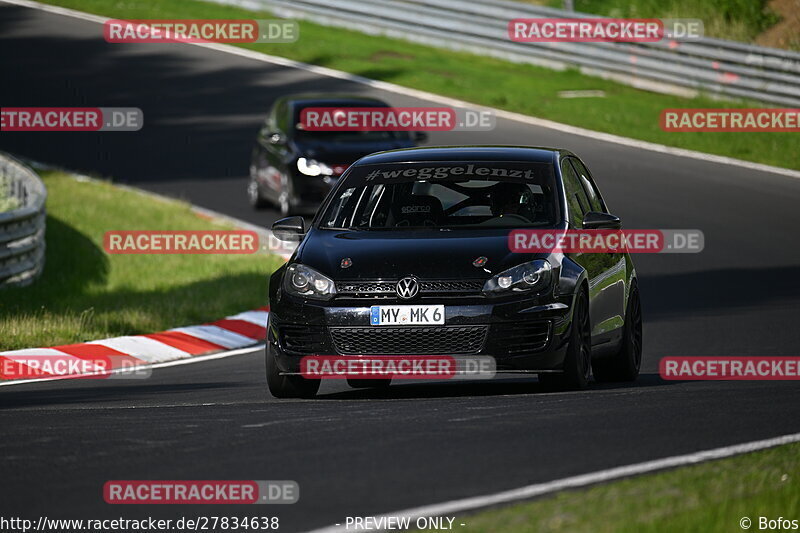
(465, 153)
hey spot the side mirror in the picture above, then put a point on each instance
(595, 220)
(419, 136)
(289, 229)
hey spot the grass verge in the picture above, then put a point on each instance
(86, 294)
(521, 88)
(707, 498)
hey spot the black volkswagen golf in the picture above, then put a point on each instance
(430, 226)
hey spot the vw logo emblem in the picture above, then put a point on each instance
(407, 288)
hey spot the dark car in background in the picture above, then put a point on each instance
(430, 227)
(294, 169)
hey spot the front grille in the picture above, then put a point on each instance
(416, 340)
(469, 286)
(304, 340)
(386, 289)
(358, 288)
(521, 337)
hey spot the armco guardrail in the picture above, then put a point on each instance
(714, 66)
(22, 226)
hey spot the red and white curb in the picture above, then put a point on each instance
(230, 334)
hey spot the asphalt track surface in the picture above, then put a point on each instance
(356, 452)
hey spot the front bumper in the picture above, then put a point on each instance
(524, 336)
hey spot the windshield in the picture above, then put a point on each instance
(447, 195)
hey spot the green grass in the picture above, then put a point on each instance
(707, 498)
(521, 88)
(738, 20)
(86, 294)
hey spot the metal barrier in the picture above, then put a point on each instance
(707, 65)
(22, 227)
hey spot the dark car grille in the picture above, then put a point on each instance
(451, 286)
(366, 288)
(521, 337)
(422, 340)
(386, 289)
(300, 339)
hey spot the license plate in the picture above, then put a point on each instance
(406, 315)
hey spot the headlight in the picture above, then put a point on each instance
(301, 280)
(310, 167)
(528, 277)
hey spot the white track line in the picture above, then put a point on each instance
(539, 489)
(405, 91)
(178, 362)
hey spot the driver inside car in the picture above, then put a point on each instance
(510, 200)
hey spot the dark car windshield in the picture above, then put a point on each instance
(302, 134)
(444, 195)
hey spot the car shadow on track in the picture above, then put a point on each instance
(495, 387)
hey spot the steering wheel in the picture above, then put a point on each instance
(427, 222)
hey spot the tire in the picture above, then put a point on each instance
(577, 362)
(625, 364)
(369, 383)
(254, 195)
(288, 386)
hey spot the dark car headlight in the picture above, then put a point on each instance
(528, 277)
(304, 281)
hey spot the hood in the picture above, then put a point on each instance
(395, 254)
(346, 152)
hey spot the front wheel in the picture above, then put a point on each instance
(288, 386)
(625, 364)
(578, 360)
